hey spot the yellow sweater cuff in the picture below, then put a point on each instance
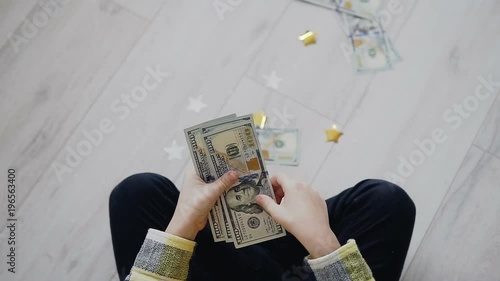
(170, 239)
(346, 262)
(163, 256)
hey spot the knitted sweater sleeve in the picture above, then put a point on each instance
(162, 257)
(166, 257)
(344, 264)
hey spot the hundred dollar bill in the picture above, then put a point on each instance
(280, 146)
(370, 53)
(211, 126)
(236, 147)
(358, 8)
(369, 43)
(200, 160)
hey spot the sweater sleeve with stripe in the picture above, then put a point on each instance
(166, 257)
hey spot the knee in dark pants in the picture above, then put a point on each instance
(136, 186)
(390, 198)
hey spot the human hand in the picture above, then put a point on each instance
(301, 211)
(195, 201)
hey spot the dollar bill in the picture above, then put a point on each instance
(372, 48)
(235, 146)
(358, 8)
(280, 146)
(206, 128)
(370, 53)
(369, 43)
(219, 124)
(199, 156)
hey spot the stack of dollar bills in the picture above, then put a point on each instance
(372, 49)
(231, 143)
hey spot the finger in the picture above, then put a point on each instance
(225, 182)
(274, 182)
(282, 181)
(267, 203)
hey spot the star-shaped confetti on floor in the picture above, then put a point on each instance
(333, 134)
(259, 119)
(174, 151)
(272, 81)
(308, 38)
(196, 104)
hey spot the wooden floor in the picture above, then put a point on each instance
(432, 124)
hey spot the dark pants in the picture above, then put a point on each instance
(377, 214)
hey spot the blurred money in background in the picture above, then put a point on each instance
(372, 48)
(280, 146)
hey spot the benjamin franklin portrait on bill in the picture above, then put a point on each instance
(241, 198)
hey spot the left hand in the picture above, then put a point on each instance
(302, 212)
(195, 201)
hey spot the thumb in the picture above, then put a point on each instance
(225, 182)
(268, 204)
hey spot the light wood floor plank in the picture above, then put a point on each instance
(321, 76)
(283, 112)
(405, 106)
(146, 9)
(12, 16)
(79, 70)
(488, 137)
(50, 85)
(73, 220)
(463, 242)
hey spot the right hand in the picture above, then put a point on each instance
(301, 211)
(195, 201)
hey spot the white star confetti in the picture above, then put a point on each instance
(174, 151)
(272, 81)
(195, 104)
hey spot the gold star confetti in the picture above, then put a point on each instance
(259, 119)
(333, 134)
(308, 38)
